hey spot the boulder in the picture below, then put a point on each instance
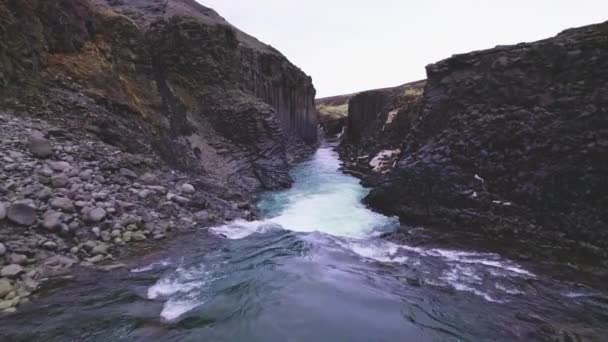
(62, 203)
(11, 271)
(51, 220)
(96, 215)
(2, 249)
(22, 214)
(40, 146)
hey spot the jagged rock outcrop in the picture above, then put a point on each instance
(511, 145)
(171, 77)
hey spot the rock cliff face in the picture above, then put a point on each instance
(171, 77)
(129, 121)
(377, 121)
(510, 144)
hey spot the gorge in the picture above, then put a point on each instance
(166, 177)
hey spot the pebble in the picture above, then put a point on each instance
(188, 188)
(2, 249)
(11, 271)
(22, 214)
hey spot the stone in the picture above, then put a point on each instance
(144, 193)
(85, 175)
(8, 304)
(5, 287)
(96, 231)
(115, 233)
(95, 259)
(101, 248)
(180, 199)
(188, 188)
(128, 173)
(50, 245)
(11, 271)
(2, 249)
(62, 203)
(51, 220)
(22, 214)
(148, 178)
(60, 181)
(17, 259)
(3, 210)
(40, 146)
(58, 166)
(202, 216)
(138, 236)
(97, 214)
(44, 193)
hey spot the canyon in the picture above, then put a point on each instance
(167, 176)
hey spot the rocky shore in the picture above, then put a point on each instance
(124, 122)
(503, 148)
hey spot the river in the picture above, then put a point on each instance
(313, 269)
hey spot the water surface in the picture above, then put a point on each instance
(314, 269)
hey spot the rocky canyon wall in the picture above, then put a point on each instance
(508, 144)
(170, 77)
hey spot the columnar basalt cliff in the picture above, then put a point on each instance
(510, 144)
(126, 121)
(170, 76)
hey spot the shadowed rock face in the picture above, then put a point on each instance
(510, 144)
(170, 77)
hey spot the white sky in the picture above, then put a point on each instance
(353, 45)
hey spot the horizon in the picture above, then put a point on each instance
(344, 56)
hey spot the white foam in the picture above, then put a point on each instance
(463, 279)
(167, 287)
(509, 290)
(173, 309)
(378, 250)
(241, 229)
(150, 267)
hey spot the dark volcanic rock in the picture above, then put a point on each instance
(170, 77)
(511, 144)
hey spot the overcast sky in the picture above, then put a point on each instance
(353, 45)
